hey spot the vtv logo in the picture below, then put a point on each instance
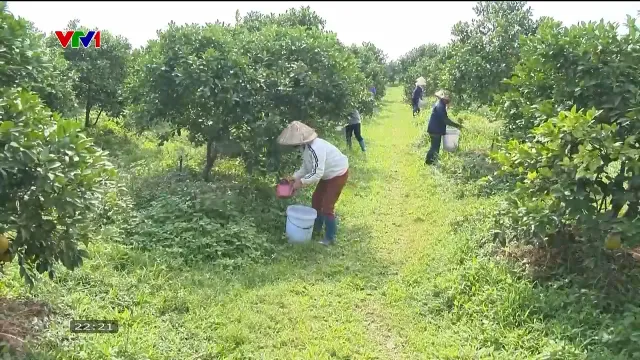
(76, 37)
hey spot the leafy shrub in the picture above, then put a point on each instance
(198, 221)
(586, 65)
(27, 63)
(51, 179)
(564, 179)
(575, 169)
(372, 65)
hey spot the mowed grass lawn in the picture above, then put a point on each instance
(406, 281)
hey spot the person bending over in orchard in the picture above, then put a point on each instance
(323, 165)
(354, 128)
(418, 92)
(437, 127)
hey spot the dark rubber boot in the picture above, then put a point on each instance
(317, 225)
(330, 232)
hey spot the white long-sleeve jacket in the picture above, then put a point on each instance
(321, 160)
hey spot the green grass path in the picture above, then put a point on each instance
(381, 293)
(350, 301)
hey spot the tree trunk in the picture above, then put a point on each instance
(87, 109)
(97, 117)
(633, 207)
(87, 112)
(212, 155)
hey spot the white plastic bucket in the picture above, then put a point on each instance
(300, 220)
(450, 139)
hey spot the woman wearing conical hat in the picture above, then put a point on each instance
(437, 127)
(418, 92)
(324, 166)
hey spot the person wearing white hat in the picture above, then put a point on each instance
(323, 165)
(437, 127)
(418, 92)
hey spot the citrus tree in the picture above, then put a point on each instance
(307, 75)
(235, 88)
(27, 63)
(302, 17)
(101, 72)
(574, 168)
(194, 80)
(50, 182)
(431, 67)
(564, 182)
(393, 71)
(411, 58)
(486, 50)
(51, 175)
(372, 64)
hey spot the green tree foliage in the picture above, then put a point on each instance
(194, 80)
(51, 176)
(50, 181)
(574, 168)
(101, 72)
(485, 51)
(302, 17)
(308, 75)
(393, 71)
(235, 88)
(557, 191)
(431, 67)
(372, 63)
(412, 58)
(27, 63)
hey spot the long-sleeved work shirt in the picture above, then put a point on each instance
(439, 119)
(321, 161)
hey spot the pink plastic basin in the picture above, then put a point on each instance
(284, 189)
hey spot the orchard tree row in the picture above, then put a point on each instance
(231, 88)
(569, 101)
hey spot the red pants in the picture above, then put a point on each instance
(327, 193)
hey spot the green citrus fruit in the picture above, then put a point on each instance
(612, 242)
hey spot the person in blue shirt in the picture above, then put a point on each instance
(437, 127)
(418, 92)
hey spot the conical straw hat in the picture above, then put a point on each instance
(443, 94)
(296, 133)
(421, 81)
